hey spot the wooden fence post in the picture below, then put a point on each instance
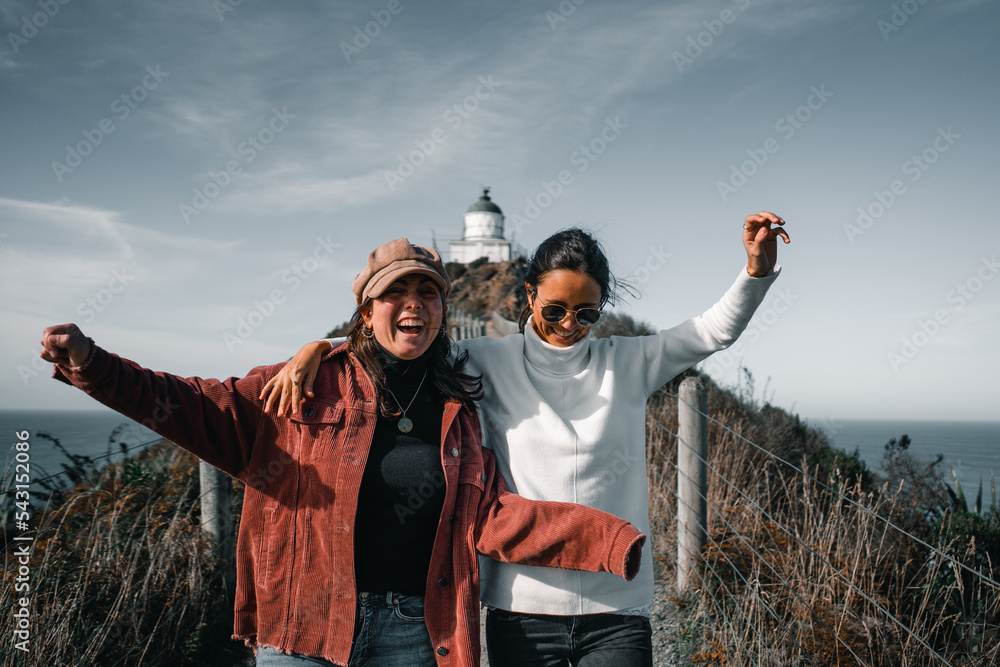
(217, 517)
(692, 487)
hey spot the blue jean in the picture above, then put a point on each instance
(389, 631)
(591, 640)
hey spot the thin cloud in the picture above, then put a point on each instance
(54, 254)
(97, 226)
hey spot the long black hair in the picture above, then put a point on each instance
(443, 373)
(576, 250)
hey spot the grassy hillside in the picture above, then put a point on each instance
(806, 558)
(120, 574)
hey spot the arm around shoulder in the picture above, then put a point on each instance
(296, 378)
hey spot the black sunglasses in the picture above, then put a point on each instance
(585, 317)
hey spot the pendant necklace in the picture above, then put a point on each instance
(405, 424)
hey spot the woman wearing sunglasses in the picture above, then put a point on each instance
(565, 415)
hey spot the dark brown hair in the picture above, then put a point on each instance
(575, 250)
(443, 373)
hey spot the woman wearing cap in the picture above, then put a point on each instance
(362, 514)
(565, 415)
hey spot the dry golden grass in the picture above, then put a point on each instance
(794, 574)
(119, 573)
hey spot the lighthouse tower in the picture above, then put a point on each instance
(483, 235)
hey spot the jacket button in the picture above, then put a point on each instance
(454, 452)
(442, 582)
(308, 412)
(442, 650)
(451, 518)
(482, 478)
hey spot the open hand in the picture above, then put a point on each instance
(294, 379)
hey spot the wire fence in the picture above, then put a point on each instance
(79, 469)
(889, 593)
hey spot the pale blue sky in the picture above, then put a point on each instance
(167, 285)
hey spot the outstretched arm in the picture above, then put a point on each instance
(215, 420)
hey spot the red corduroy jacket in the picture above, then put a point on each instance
(295, 550)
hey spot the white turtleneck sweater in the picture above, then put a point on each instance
(568, 424)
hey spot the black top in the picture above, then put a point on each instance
(402, 490)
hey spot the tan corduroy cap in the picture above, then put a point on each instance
(390, 261)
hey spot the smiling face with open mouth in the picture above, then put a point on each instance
(573, 290)
(407, 316)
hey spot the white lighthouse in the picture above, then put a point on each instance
(483, 235)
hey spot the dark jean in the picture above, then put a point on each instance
(592, 640)
(389, 631)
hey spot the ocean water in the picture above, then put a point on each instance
(971, 447)
(86, 432)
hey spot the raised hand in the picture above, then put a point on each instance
(761, 242)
